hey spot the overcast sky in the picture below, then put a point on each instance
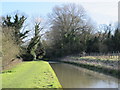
(101, 11)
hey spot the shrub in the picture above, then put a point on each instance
(9, 48)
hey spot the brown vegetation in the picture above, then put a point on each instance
(9, 47)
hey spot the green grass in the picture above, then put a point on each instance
(34, 74)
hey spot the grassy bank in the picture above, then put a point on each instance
(98, 61)
(111, 72)
(109, 67)
(101, 58)
(34, 74)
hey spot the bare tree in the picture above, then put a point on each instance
(69, 27)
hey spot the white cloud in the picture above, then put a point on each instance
(102, 12)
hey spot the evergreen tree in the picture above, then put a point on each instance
(35, 46)
(116, 40)
(93, 45)
(17, 23)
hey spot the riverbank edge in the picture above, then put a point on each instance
(111, 72)
(48, 66)
(55, 76)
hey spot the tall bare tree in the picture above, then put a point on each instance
(69, 27)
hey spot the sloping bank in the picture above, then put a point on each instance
(34, 74)
(95, 65)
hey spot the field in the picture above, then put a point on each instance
(34, 74)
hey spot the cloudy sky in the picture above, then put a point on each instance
(101, 11)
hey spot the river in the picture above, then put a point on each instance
(71, 76)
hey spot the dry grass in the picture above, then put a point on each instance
(113, 58)
(9, 48)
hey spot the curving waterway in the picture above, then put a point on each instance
(71, 76)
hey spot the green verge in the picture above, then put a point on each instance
(34, 74)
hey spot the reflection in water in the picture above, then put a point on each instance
(75, 77)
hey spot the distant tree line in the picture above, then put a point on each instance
(71, 31)
(104, 42)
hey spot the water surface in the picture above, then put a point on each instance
(71, 76)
